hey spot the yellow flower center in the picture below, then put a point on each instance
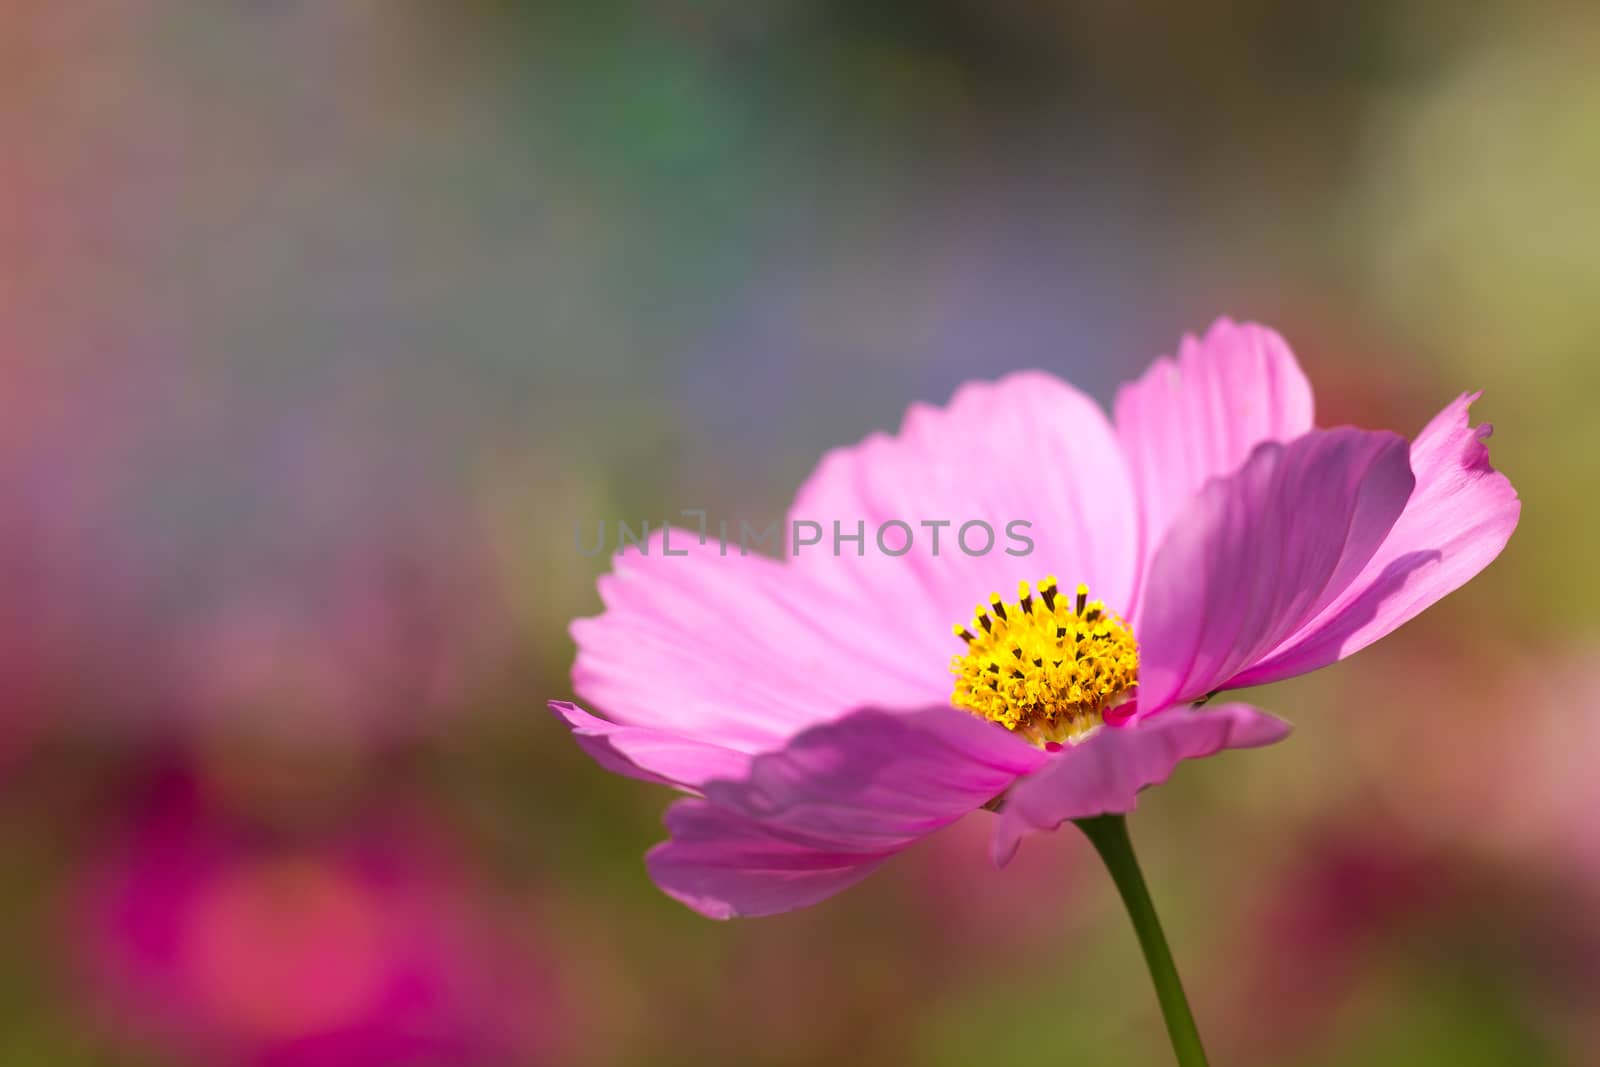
(1045, 667)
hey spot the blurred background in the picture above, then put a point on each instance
(323, 321)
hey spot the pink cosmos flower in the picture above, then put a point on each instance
(1209, 537)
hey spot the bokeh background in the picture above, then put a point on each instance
(323, 321)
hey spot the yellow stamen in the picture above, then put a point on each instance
(1046, 667)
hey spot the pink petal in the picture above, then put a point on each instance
(1196, 418)
(1104, 774)
(1458, 519)
(1257, 554)
(739, 651)
(1028, 448)
(651, 755)
(815, 816)
(726, 866)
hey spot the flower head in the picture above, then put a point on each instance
(1047, 668)
(1211, 538)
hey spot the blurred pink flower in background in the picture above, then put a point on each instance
(1516, 729)
(230, 942)
(807, 704)
(1311, 930)
(1540, 819)
(1488, 849)
(1554, 701)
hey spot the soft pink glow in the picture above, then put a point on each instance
(237, 942)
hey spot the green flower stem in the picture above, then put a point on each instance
(1109, 835)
